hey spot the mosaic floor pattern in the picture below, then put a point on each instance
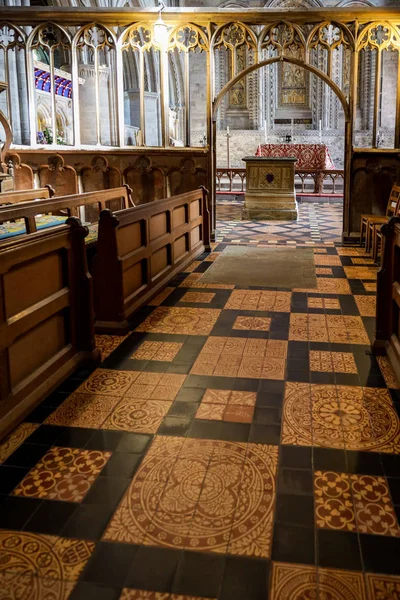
(238, 444)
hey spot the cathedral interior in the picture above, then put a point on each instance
(199, 300)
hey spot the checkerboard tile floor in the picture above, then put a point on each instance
(237, 444)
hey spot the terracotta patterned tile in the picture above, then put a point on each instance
(108, 343)
(213, 412)
(252, 323)
(216, 396)
(388, 373)
(242, 357)
(238, 414)
(15, 439)
(232, 496)
(203, 297)
(157, 386)
(212, 257)
(107, 382)
(296, 417)
(129, 594)
(369, 286)
(323, 271)
(337, 362)
(382, 587)
(326, 285)
(366, 305)
(194, 281)
(373, 505)
(192, 266)
(360, 272)
(259, 300)
(164, 351)
(187, 321)
(243, 398)
(33, 560)
(328, 261)
(327, 328)
(330, 303)
(362, 261)
(157, 300)
(140, 416)
(63, 474)
(304, 582)
(83, 410)
(334, 508)
(353, 251)
(378, 406)
(320, 250)
(35, 588)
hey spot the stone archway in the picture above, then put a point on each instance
(347, 115)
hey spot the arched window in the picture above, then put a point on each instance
(51, 83)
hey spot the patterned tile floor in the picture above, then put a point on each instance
(239, 444)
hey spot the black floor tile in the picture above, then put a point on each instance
(110, 563)
(269, 399)
(27, 455)
(85, 590)
(338, 550)
(391, 464)
(293, 544)
(15, 511)
(39, 414)
(295, 481)
(244, 578)
(107, 490)
(74, 437)
(105, 440)
(327, 459)
(47, 435)
(265, 434)
(122, 464)
(394, 486)
(136, 443)
(234, 432)
(190, 395)
(154, 569)
(294, 510)
(380, 553)
(183, 410)
(10, 477)
(295, 456)
(199, 574)
(50, 517)
(174, 426)
(364, 463)
(88, 522)
(205, 429)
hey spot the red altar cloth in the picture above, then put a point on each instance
(309, 156)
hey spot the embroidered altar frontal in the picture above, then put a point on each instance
(309, 156)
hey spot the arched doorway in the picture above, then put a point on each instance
(332, 85)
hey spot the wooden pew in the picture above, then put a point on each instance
(141, 249)
(26, 195)
(70, 204)
(46, 317)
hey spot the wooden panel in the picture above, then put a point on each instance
(47, 339)
(158, 225)
(195, 209)
(133, 279)
(196, 235)
(130, 238)
(25, 285)
(180, 247)
(64, 182)
(160, 260)
(148, 185)
(179, 216)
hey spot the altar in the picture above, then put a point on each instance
(270, 192)
(308, 156)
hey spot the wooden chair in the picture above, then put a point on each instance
(368, 221)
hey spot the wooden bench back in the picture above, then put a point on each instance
(46, 321)
(393, 205)
(69, 204)
(26, 195)
(141, 249)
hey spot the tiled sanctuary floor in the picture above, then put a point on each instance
(239, 444)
